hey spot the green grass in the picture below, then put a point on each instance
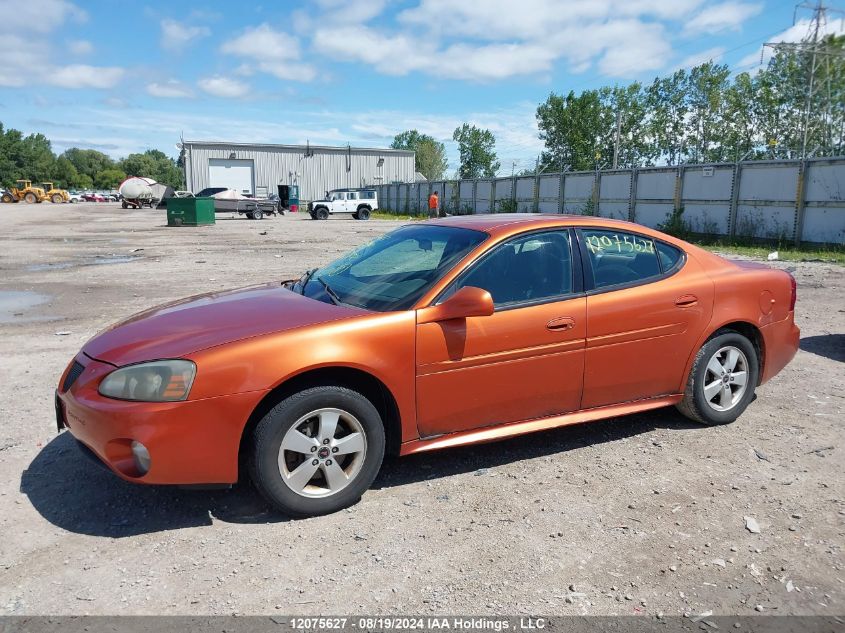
(830, 254)
(390, 215)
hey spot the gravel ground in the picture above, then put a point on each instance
(642, 514)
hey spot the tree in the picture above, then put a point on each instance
(477, 151)
(65, 174)
(575, 130)
(430, 153)
(109, 178)
(88, 162)
(667, 108)
(706, 87)
(153, 164)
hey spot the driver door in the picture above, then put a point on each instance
(524, 361)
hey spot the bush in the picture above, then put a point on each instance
(675, 224)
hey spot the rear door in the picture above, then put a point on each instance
(524, 361)
(647, 305)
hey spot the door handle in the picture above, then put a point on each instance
(686, 301)
(561, 323)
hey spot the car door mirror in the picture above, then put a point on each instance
(469, 301)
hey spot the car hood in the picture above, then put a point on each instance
(183, 327)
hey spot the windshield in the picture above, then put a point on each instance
(393, 271)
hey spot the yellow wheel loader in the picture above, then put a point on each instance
(55, 195)
(23, 190)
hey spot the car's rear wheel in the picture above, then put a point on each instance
(363, 213)
(317, 451)
(722, 380)
(257, 214)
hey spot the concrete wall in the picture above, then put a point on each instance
(802, 201)
(319, 168)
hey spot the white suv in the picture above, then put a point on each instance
(359, 202)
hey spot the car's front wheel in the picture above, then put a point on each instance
(722, 380)
(317, 451)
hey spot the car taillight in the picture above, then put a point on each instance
(794, 292)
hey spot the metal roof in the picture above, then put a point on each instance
(339, 148)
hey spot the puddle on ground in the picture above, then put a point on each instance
(116, 259)
(34, 268)
(98, 260)
(14, 303)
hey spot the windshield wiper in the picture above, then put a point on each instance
(332, 294)
(306, 277)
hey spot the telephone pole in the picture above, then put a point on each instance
(616, 142)
(816, 49)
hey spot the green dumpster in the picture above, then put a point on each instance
(190, 211)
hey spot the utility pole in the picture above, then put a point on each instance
(815, 48)
(616, 143)
(513, 168)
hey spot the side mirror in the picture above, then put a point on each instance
(469, 301)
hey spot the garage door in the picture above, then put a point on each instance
(232, 174)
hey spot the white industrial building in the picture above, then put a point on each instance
(257, 169)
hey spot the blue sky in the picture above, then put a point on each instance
(123, 77)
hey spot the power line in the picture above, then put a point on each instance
(815, 48)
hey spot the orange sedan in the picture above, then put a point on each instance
(438, 334)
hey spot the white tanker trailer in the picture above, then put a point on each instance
(137, 192)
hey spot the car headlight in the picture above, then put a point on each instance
(157, 381)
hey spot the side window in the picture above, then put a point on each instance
(618, 257)
(530, 268)
(338, 195)
(353, 195)
(368, 195)
(669, 256)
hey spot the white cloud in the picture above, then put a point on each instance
(223, 87)
(170, 89)
(721, 17)
(84, 76)
(80, 47)
(38, 16)
(271, 51)
(696, 59)
(24, 57)
(175, 36)
(498, 39)
(796, 33)
(352, 10)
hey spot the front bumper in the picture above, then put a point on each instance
(190, 442)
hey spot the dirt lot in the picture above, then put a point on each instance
(643, 514)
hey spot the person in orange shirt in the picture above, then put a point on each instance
(433, 205)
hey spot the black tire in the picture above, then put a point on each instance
(248, 214)
(363, 214)
(56, 198)
(267, 441)
(695, 404)
(322, 213)
(124, 204)
(7, 198)
(257, 214)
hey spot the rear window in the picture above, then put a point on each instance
(669, 256)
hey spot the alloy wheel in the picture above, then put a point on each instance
(726, 378)
(322, 452)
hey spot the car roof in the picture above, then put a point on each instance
(497, 223)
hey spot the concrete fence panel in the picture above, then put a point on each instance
(779, 199)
